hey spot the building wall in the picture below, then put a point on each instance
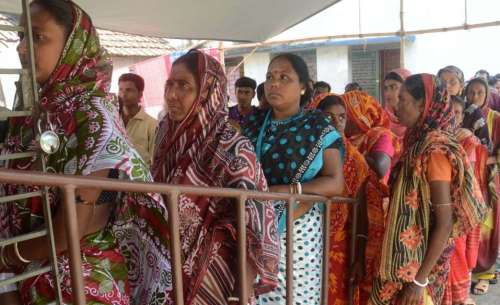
(256, 68)
(469, 50)
(9, 60)
(333, 66)
(120, 66)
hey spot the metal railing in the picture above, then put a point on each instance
(29, 96)
(68, 184)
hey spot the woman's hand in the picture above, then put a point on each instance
(411, 295)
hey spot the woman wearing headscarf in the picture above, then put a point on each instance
(120, 233)
(196, 145)
(434, 198)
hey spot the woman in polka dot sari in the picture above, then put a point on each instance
(293, 147)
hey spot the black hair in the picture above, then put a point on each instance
(134, 78)
(300, 67)
(480, 81)
(190, 60)
(260, 91)
(458, 100)
(246, 82)
(322, 84)
(329, 101)
(394, 76)
(61, 10)
(354, 86)
(492, 81)
(415, 87)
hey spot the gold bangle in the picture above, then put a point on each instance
(22, 259)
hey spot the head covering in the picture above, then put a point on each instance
(406, 239)
(401, 72)
(437, 114)
(454, 70)
(364, 111)
(318, 99)
(74, 102)
(205, 150)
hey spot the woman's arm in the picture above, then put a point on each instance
(91, 218)
(329, 182)
(379, 162)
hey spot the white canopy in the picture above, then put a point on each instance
(236, 20)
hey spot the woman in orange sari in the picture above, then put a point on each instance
(355, 174)
(368, 130)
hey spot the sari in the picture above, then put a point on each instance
(464, 256)
(291, 150)
(127, 262)
(364, 111)
(490, 229)
(355, 174)
(406, 239)
(205, 150)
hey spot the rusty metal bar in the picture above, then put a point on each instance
(175, 246)
(11, 114)
(24, 237)
(16, 156)
(289, 250)
(31, 51)
(352, 245)
(242, 250)
(326, 247)
(5, 199)
(11, 28)
(73, 241)
(10, 71)
(56, 180)
(24, 276)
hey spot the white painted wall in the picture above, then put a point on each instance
(256, 68)
(9, 60)
(333, 66)
(469, 50)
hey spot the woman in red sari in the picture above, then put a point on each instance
(196, 145)
(367, 129)
(355, 174)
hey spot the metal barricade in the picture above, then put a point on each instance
(69, 184)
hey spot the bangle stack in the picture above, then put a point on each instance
(296, 188)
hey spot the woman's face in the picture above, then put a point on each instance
(476, 94)
(282, 86)
(49, 39)
(452, 83)
(391, 93)
(409, 109)
(458, 111)
(339, 117)
(181, 91)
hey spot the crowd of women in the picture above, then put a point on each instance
(424, 168)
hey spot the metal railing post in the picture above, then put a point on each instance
(73, 240)
(175, 246)
(289, 250)
(242, 252)
(326, 248)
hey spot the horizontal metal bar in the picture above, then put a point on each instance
(5, 199)
(23, 276)
(11, 71)
(24, 237)
(11, 114)
(38, 178)
(17, 156)
(11, 28)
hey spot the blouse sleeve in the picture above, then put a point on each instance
(438, 167)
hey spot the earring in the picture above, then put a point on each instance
(302, 92)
